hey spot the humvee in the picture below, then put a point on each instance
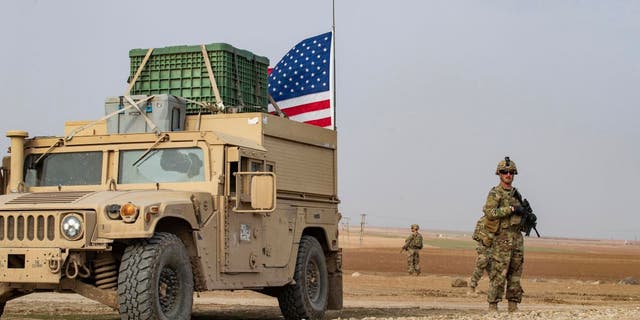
(139, 217)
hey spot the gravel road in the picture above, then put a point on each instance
(598, 314)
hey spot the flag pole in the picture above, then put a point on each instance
(333, 59)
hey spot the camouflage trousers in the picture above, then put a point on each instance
(482, 265)
(413, 261)
(507, 259)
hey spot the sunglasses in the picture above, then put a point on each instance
(507, 171)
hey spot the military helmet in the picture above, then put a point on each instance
(507, 164)
(415, 226)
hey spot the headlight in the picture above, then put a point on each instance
(113, 211)
(71, 226)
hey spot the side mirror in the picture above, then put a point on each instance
(256, 192)
(262, 192)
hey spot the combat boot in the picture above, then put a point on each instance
(513, 306)
(493, 307)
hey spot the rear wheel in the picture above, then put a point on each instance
(307, 298)
(155, 280)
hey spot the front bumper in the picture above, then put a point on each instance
(31, 265)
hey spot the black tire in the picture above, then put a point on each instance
(155, 280)
(307, 298)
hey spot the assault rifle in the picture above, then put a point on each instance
(529, 220)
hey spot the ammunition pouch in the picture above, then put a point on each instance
(481, 234)
(491, 226)
(485, 238)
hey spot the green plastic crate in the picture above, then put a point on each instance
(181, 71)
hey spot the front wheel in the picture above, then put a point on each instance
(307, 298)
(155, 280)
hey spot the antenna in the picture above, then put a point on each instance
(333, 61)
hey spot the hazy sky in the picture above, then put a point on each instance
(430, 94)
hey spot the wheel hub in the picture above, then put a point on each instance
(168, 289)
(313, 285)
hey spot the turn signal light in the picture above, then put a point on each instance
(129, 212)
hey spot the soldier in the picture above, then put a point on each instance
(412, 245)
(503, 213)
(484, 240)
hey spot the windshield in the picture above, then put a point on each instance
(161, 165)
(66, 169)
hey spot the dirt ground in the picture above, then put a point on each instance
(561, 276)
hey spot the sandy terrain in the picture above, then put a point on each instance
(563, 279)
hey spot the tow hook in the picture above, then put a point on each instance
(55, 264)
(76, 268)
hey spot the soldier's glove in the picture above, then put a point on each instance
(519, 210)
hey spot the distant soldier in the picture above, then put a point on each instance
(484, 239)
(412, 245)
(503, 212)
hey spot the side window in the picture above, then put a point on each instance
(246, 165)
(255, 166)
(270, 167)
(242, 185)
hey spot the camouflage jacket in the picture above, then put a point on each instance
(414, 241)
(497, 208)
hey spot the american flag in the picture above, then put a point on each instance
(301, 82)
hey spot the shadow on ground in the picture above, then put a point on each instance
(272, 313)
(228, 312)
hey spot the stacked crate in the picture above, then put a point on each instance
(241, 76)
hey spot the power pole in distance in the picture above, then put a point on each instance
(362, 222)
(345, 227)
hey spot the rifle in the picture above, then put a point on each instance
(529, 219)
(405, 247)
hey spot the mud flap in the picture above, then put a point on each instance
(334, 268)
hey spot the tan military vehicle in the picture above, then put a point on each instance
(139, 214)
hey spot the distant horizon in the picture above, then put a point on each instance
(469, 232)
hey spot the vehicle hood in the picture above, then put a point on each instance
(88, 200)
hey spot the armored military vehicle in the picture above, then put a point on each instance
(148, 205)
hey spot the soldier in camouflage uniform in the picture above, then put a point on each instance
(412, 245)
(503, 213)
(484, 240)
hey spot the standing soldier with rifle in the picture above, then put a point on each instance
(412, 245)
(507, 215)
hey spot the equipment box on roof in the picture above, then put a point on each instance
(240, 75)
(164, 111)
